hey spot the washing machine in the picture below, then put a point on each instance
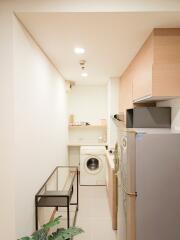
(92, 165)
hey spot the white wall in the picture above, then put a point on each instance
(88, 103)
(175, 114)
(6, 126)
(40, 125)
(113, 108)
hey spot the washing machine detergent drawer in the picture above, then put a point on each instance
(94, 150)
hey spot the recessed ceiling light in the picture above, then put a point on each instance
(79, 50)
(84, 74)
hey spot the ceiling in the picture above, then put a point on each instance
(111, 40)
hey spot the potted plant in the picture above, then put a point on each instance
(59, 234)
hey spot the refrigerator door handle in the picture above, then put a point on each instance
(116, 158)
(131, 194)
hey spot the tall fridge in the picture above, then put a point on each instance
(148, 163)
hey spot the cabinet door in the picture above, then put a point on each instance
(142, 71)
(125, 95)
(166, 68)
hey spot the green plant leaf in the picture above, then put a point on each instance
(25, 238)
(64, 234)
(40, 235)
(59, 234)
(52, 223)
(71, 232)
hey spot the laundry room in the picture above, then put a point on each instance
(87, 111)
(90, 129)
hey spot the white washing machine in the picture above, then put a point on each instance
(92, 165)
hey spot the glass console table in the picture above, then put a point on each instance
(58, 190)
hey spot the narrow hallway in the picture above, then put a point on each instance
(94, 214)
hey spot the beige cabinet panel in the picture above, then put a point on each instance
(154, 73)
(166, 67)
(166, 81)
(125, 95)
(142, 70)
(166, 46)
(156, 67)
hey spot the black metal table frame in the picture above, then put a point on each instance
(37, 196)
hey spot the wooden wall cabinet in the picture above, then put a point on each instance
(154, 73)
(125, 96)
(156, 67)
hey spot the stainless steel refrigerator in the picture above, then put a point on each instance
(148, 169)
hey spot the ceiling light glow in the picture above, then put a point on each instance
(84, 74)
(79, 50)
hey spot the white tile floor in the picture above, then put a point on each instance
(94, 214)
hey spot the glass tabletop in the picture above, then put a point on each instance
(59, 183)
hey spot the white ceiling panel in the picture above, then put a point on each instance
(111, 40)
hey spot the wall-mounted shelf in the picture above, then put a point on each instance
(88, 135)
(87, 126)
(86, 144)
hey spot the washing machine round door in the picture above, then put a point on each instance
(93, 165)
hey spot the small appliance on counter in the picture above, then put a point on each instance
(71, 119)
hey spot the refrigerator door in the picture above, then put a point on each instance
(122, 214)
(158, 186)
(127, 159)
(126, 216)
(126, 186)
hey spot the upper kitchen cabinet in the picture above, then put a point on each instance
(155, 70)
(125, 96)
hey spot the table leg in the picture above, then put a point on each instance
(77, 190)
(36, 214)
(68, 215)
